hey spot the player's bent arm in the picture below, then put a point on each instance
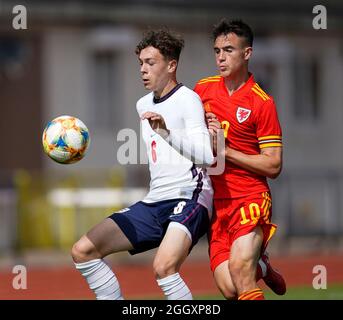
(196, 147)
(194, 143)
(268, 163)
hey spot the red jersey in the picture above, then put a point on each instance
(250, 122)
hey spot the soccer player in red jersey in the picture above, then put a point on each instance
(241, 226)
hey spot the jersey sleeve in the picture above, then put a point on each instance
(139, 108)
(194, 141)
(268, 129)
(198, 89)
(201, 88)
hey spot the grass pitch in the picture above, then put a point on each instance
(332, 292)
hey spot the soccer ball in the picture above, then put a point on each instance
(65, 139)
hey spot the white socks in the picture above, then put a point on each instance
(105, 285)
(101, 279)
(175, 288)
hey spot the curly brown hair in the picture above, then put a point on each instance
(169, 45)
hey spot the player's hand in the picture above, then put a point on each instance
(210, 116)
(213, 123)
(157, 123)
(213, 126)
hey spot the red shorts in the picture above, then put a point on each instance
(233, 218)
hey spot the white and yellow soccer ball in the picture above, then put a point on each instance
(66, 139)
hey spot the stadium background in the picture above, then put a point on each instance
(77, 58)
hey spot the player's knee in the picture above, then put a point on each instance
(226, 287)
(83, 252)
(164, 268)
(228, 293)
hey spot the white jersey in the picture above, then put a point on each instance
(177, 163)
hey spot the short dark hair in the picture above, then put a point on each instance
(237, 27)
(169, 45)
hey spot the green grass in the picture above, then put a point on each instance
(333, 292)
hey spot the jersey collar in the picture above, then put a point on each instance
(243, 89)
(170, 93)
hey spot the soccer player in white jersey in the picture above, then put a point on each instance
(177, 210)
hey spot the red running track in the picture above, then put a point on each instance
(137, 281)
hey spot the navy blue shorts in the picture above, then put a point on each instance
(145, 224)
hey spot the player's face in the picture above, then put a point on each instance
(155, 69)
(231, 54)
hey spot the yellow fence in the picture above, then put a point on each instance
(54, 211)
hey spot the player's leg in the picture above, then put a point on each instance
(103, 239)
(250, 230)
(171, 253)
(264, 271)
(128, 229)
(219, 249)
(88, 253)
(244, 255)
(219, 257)
(188, 221)
(224, 282)
(272, 278)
